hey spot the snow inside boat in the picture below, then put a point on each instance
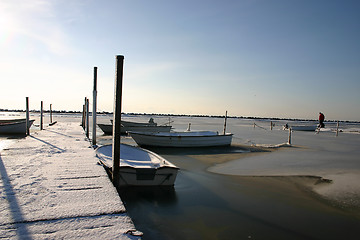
(139, 167)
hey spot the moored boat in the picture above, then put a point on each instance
(137, 124)
(12, 120)
(302, 127)
(108, 128)
(127, 126)
(139, 167)
(14, 126)
(182, 139)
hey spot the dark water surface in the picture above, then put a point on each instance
(204, 205)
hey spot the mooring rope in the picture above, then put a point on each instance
(259, 126)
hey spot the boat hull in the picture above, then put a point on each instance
(12, 120)
(164, 176)
(157, 140)
(304, 128)
(137, 124)
(108, 128)
(14, 127)
(139, 167)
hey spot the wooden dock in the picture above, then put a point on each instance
(52, 187)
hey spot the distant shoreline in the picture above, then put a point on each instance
(182, 115)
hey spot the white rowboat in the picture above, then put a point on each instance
(108, 128)
(139, 167)
(304, 127)
(14, 127)
(182, 139)
(127, 126)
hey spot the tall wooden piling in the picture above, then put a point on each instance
(289, 139)
(84, 115)
(27, 117)
(94, 108)
(87, 118)
(225, 123)
(117, 120)
(51, 113)
(337, 128)
(83, 118)
(41, 115)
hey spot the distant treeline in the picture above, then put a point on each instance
(183, 115)
(37, 111)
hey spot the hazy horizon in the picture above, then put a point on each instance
(176, 115)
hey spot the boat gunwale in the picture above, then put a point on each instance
(14, 123)
(177, 136)
(104, 162)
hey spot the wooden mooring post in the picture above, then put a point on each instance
(117, 120)
(87, 118)
(289, 139)
(51, 113)
(337, 128)
(83, 118)
(41, 115)
(94, 108)
(27, 117)
(225, 122)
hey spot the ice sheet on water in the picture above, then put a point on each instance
(312, 154)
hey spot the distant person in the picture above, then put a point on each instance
(321, 120)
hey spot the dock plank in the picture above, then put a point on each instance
(52, 186)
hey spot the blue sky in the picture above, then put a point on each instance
(278, 58)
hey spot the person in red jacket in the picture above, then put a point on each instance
(321, 120)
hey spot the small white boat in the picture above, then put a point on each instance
(137, 124)
(127, 126)
(12, 120)
(182, 139)
(13, 126)
(139, 167)
(301, 127)
(108, 128)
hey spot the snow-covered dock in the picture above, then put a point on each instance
(51, 187)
